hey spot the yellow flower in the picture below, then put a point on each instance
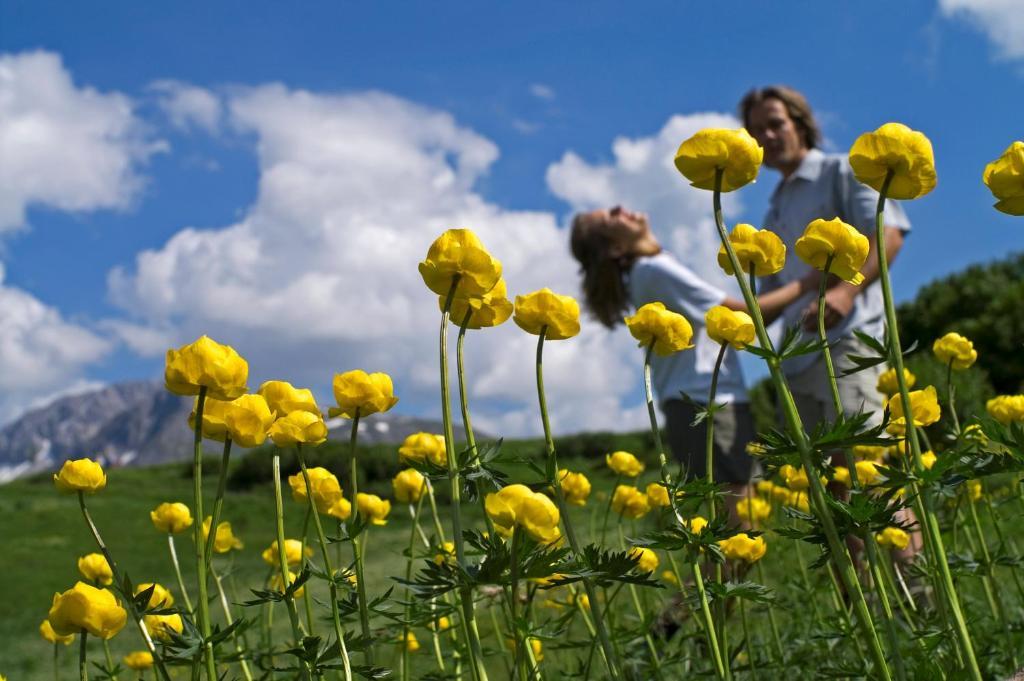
(954, 348)
(630, 502)
(491, 309)
(284, 398)
(518, 505)
(729, 326)
(924, 408)
(974, 433)
(742, 547)
(575, 487)
(755, 448)
(894, 148)
(974, 490)
(841, 474)
(558, 315)
(341, 509)
(537, 648)
(245, 420)
(799, 501)
(89, 608)
(160, 599)
(225, 539)
(668, 330)
(780, 494)
(647, 560)
(423, 446)
(47, 632)
(870, 452)
(624, 464)
(358, 392)
(409, 486)
(734, 152)
(373, 508)
(326, 488)
(206, 363)
(171, 517)
(928, 459)
(758, 250)
(670, 577)
(459, 252)
(95, 568)
(888, 385)
(161, 626)
(1006, 408)
(833, 238)
(697, 524)
(81, 475)
(764, 487)
(138, 660)
(292, 551)
(442, 624)
(867, 473)
(447, 554)
(754, 510)
(1005, 178)
(893, 538)
(298, 427)
(796, 478)
(411, 644)
(277, 584)
(657, 495)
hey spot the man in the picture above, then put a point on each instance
(818, 185)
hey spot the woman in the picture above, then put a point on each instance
(624, 267)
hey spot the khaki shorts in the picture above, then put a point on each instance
(857, 392)
(734, 429)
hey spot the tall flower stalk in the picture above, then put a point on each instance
(357, 553)
(202, 565)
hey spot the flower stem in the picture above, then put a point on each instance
(218, 502)
(201, 561)
(177, 571)
(930, 522)
(307, 600)
(781, 656)
(339, 631)
(610, 658)
(83, 665)
(109, 659)
(721, 669)
(357, 552)
(415, 513)
(644, 624)
(239, 649)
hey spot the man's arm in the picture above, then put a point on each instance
(775, 301)
(839, 298)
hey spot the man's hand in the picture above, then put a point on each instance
(838, 304)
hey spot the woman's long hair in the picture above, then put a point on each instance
(604, 270)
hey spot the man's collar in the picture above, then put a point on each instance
(810, 168)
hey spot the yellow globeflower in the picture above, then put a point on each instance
(89, 608)
(411, 644)
(95, 568)
(225, 539)
(518, 505)
(81, 475)
(284, 398)
(799, 501)
(341, 509)
(754, 510)
(446, 555)
(924, 408)
(956, 350)
(624, 464)
(575, 487)
(841, 474)
(729, 326)
(760, 251)
(419, 447)
(889, 386)
(206, 363)
(670, 577)
(734, 152)
(162, 626)
(326, 488)
(867, 473)
(277, 584)
(171, 517)
(558, 315)
(1006, 408)
(292, 550)
(373, 508)
(1005, 178)
(870, 452)
(796, 478)
(47, 632)
(358, 392)
(657, 495)
(158, 600)
(630, 502)
(669, 331)
(894, 538)
(894, 148)
(458, 252)
(974, 490)
(409, 486)
(491, 309)
(647, 560)
(697, 523)
(298, 427)
(245, 420)
(742, 547)
(928, 459)
(138, 660)
(833, 238)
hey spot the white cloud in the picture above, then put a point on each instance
(71, 148)
(1001, 20)
(187, 105)
(542, 91)
(42, 355)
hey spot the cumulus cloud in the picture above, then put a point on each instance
(67, 147)
(1001, 20)
(188, 106)
(42, 355)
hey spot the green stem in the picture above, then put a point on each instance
(83, 666)
(610, 658)
(307, 600)
(709, 437)
(748, 644)
(652, 414)
(56, 662)
(929, 521)
(177, 572)
(518, 657)
(721, 669)
(951, 398)
(840, 555)
(325, 555)
(110, 660)
(357, 549)
(218, 502)
(644, 624)
(780, 654)
(1005, 541)
(200, 541)
(239, 649)
(996, 604)
(415, 513)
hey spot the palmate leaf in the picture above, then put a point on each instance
(605, 568)
(748, 591)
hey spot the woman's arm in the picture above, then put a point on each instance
(774, 302)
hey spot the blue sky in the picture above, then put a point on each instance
(510, 89)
